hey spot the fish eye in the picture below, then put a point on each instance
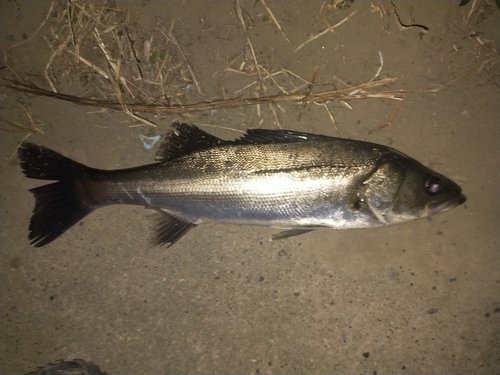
(434, 185)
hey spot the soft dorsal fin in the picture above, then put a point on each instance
(263, 136)
(184, 139)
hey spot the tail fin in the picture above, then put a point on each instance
(57, 207)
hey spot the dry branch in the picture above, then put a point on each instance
(342, 94)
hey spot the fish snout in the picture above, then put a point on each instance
(445, 205)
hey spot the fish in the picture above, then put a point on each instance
(291, 180)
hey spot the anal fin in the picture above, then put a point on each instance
(168, 229)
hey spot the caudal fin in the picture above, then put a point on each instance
(57, 207)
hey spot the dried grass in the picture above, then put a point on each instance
(118, 67)
(33, 127)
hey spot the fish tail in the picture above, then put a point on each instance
(57, 206)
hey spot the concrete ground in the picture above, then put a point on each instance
(418, 298)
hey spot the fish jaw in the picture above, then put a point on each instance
(446, 205)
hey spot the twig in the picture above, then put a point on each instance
(168, 34)
(271, 15)
(310, 86)
(477, 67)
(14, 153)
(296, 76)
(122, 101)
(69, 11)
(276, 119)
(51, 58)
(87, 24)
(376, 74)
(472, 9)
(255, 82)
(249, 42)
(112, 65)
(476, 40)
(37, 30)
(269, 75)
(216, 104)
(90, 65)
(388, 122)
(13, 124)
(34, 128)
(325, 31)
(330, 114)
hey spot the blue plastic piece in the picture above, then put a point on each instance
(149, 142)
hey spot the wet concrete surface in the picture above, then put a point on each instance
(421, 297)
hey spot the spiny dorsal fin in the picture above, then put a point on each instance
(184, 139)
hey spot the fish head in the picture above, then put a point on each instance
(402, 189)
(424, 193)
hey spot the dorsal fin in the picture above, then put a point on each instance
(263, 136)
(184, 139)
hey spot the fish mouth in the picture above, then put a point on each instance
(446, 205)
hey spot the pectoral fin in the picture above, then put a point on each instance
(168, 229)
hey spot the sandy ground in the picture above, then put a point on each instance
(421, 297)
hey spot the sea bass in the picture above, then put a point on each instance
(280, 178)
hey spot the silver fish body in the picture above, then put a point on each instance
(296, 181)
